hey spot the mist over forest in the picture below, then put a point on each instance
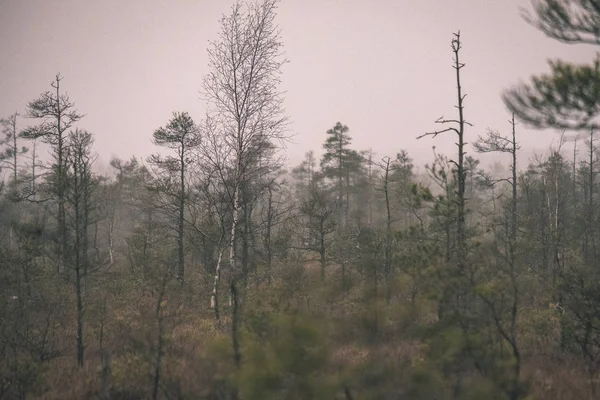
(215, 268)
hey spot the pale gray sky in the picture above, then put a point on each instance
(382, 67)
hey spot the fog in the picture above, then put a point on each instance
(286, 199)
(381, 67)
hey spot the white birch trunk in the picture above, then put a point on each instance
(213, 297)
(234, 224)
(111, 244)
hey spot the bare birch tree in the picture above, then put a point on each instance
(245, 105)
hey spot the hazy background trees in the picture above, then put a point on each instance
(210, 270)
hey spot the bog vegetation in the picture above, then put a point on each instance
(209, 271)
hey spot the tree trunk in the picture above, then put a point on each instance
(322, 254)
(245, 257)
(160, 342)
(80, 347)
(340, 180)
(388, 231)
(180, 253)
(111, 241)
(62, 229)
(15, 134)
(232, 241)
(33, 165)
(370, 172)
(347, 206)
(461, 228)
(214, 298)
(268, 249)
(77, 184)
(237, 357)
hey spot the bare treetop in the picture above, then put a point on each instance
(245, 70)
(459, 123)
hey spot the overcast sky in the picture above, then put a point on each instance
(382, 67)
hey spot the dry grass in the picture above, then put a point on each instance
(190, 362)
(560, 377)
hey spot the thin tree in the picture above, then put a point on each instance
(245, 107)
(590, 232)
(495, 142)
(57, 114)
(34, 166)
(208, 212)
(319, 209)
(334, 164)
(369, 160)
(275, 208)
(305, 173)
(401, 177)
(386, 165)
(160, 314)
(181, 134)
(10, 155)
(457, 126)
(78, 161)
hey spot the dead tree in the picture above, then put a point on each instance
(457, 126)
